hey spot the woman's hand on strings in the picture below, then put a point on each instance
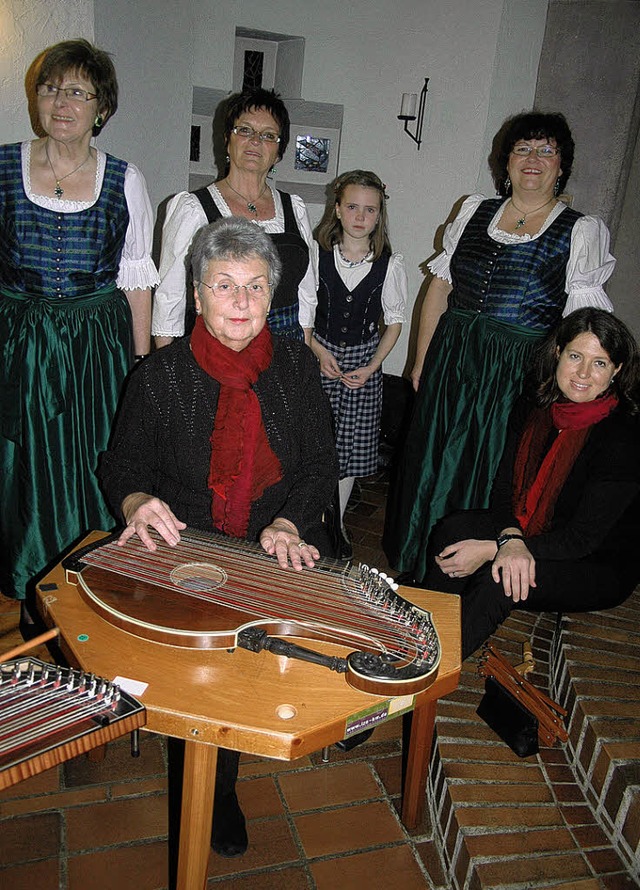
(282, 540)
(143, 511)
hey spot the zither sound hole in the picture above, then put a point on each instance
(198, 576)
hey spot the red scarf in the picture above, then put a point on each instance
(242, 461)
(538, 480)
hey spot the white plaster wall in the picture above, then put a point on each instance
(26, 28)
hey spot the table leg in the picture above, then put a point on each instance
(198, 789)
(417, 763)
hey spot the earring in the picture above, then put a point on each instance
(99, 121)
(228, 159)
(556, 188)
(507, 185)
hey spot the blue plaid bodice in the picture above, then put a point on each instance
(521, 284)
(60, 255)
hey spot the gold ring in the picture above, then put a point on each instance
(302, 543)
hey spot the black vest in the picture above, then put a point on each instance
(291, 246)
(348, 318)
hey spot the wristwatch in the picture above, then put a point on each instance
(502, 539)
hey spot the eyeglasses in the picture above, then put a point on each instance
(50, 91)
(250, 133)
(254, 291)
(543, 151)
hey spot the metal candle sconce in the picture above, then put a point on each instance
(408, 112)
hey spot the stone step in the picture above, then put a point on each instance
(569, 816)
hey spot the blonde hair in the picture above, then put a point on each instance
(329, 229)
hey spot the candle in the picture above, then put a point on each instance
(408, 105)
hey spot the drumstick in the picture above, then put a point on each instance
(30, 644)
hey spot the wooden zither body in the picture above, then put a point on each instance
(49, 714)
(212, 592)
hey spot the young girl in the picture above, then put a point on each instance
(360, 281)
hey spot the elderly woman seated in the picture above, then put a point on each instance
(227, 430)
(562, 530)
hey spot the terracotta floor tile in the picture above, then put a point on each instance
(155, 784)
(618, 882)
(604, 861)
(29, 838)
(389, 769)
(429, 856)
(281, 879)
(521, 774)
(270, 844)
(118, 765)
(588, 836)
(527, 870)
(134, 867)
(525, 817)
(393, 867)
(43, 875)
(117, 822)
(259, 798)
(43, 783)
(347, 828)
(499, 792)
(263, 766)
(483, 753)
(523, 842)
(61, 800)
(578, 814)
(329, 787)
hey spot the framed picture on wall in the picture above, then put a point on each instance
(311, 156)
(201, 147)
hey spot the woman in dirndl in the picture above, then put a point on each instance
(511, 268)
(75, 304)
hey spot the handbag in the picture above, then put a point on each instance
(519, 713)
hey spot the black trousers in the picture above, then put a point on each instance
(572, 585)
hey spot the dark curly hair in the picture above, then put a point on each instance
(531, 125)
(615, 338)
(267, 100)
(92, 63)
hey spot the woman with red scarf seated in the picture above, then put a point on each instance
(562, 530)
(229, 430)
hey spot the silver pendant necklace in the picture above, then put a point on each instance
(251, 205)
(520, 222)
(58, 190)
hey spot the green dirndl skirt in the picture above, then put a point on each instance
(62, 369)
(472, 376)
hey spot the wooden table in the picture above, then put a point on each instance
(261, 704)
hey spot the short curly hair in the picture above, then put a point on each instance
(267, 100)
(531, 125)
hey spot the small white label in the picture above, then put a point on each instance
(133, 687)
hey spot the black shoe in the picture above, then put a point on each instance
(354, 740)
(229, 829)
